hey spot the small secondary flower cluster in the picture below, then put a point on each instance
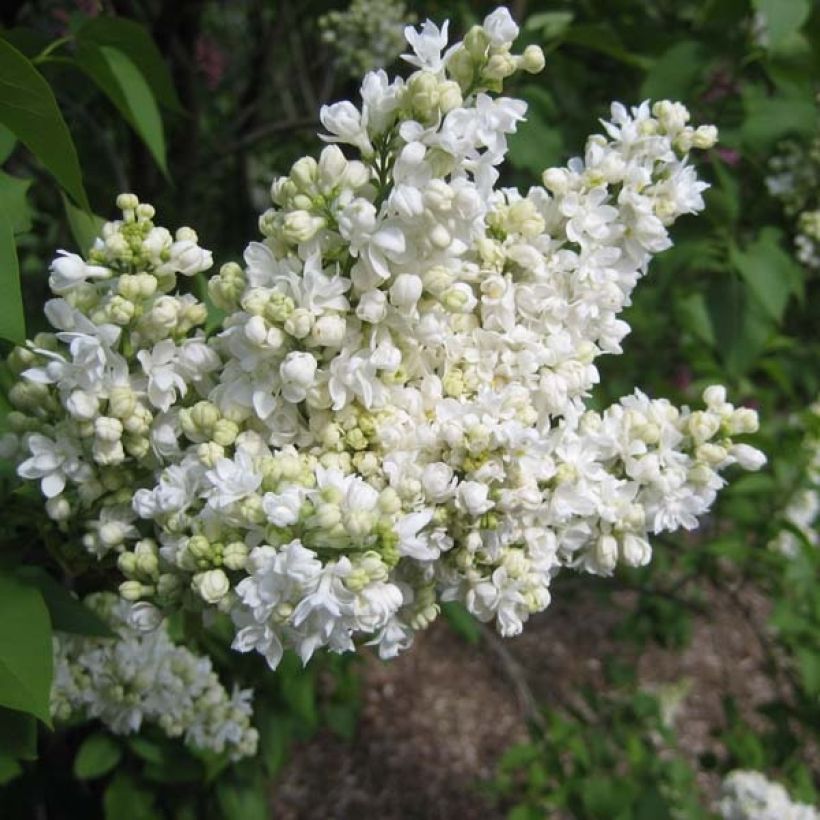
(367, 34)
(802, 512)
(143, 677)
(749, 795)
(795, 180)
(393, 413)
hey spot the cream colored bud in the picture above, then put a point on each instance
(635, 551)
(743, 420)
(58, 508)
(301, 226)
(235, 555)
(499, 67)
(107, 428)
(532, 60)
(299, 323)
(329, 331)
(131, 590)
(127, 563)
(147, 564)
(209, 452)
(705, 136)
(332, 167)
(556, 180)
(449, 96)
(127, 202)
(703, 426)
(212, 585)
(303, 173)
(121, 402)
(225, 432)
(606, 554)
(136, 446)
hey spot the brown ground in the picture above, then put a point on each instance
(436, 720)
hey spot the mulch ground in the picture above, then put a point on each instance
(436, 720)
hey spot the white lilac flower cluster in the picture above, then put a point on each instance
(749, 795)
(95, 408)
(795, 180)
(367, 34)
(142, 677)
(392, 414)
(802, 512)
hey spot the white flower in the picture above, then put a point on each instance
(297, 371)
(68, 271)
(500, 27)
(164, 381)
(473, 497)
(282, 509)
(52, 462)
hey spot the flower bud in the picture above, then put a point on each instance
(372, 306)
(303, 173)
(635, 551)
(329, 331)
(58, 508)
(131, 590)
(301, 226)
(212, 585)
(235, 555)
(532, 60)
(606, 554)
(107, 428)
(299, 323)
(406, 290)
(747, 457)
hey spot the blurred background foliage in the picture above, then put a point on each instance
(196, 104)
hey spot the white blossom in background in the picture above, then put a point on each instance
(366, 35)
(795, 180)
(141, 677)
(749, 795)
(393, 411)
(802, 512)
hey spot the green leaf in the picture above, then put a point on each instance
(25, 649)
(275, 737)
(768, 270)
(85, 226)
(125, 800)
(300, 695)
(603, 38)
(243, 801)
(121, 81)
(18, 734)
(9, 769)
(549, 24)
(135, 41)
(28, 109)
(67, 613)
(97, 756)
(769, 119)
(7, 143)
(784, 18)
(461, 621)
(12, 317)
(675, 72)
(13, 201)
(740, 325)
(695, 317)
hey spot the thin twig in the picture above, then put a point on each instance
(512, 669)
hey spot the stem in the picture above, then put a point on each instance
(51, 47)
